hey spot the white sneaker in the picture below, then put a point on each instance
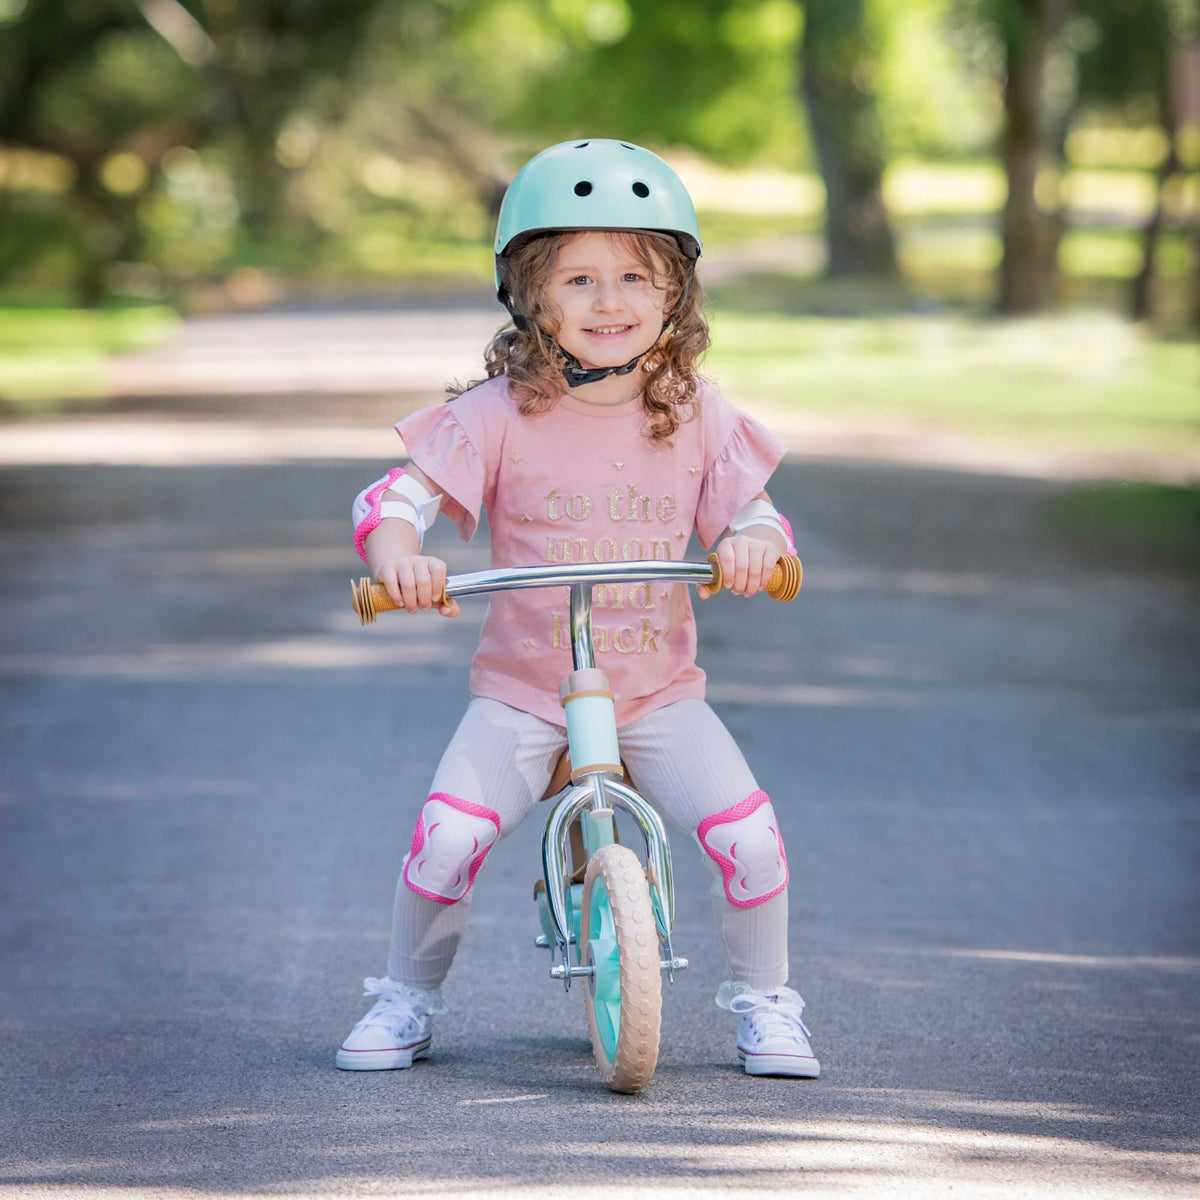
(394, 1033)
(772, 1039)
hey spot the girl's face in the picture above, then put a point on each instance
(611, 310)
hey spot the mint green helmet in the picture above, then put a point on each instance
(595, 183)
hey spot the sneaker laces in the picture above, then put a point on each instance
(777, 1012)
(398, 1001)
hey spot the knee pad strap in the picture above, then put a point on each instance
(744, 841)
(452, 838)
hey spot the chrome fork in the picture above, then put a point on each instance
(572, 803)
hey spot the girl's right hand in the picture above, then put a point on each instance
(412, 581)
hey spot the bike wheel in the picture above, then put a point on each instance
(623, 996)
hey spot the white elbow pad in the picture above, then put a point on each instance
(419, 507)
(758, 512)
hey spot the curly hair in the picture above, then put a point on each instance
(533, 362)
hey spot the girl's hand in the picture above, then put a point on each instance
(746, 564)
(413, 580)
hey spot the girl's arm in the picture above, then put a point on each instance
(766, 532)
(747, 558)
(394, 557)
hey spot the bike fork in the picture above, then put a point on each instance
(594, 799)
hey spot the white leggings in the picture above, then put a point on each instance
(680, 757)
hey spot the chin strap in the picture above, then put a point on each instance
(575, 373)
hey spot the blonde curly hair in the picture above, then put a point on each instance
(533, 362)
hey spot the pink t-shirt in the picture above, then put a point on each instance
(583, 483)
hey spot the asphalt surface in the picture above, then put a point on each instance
(984, 751)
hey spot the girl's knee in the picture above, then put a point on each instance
(450, 843)
(744, 843)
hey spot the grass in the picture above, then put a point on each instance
(1081, 381)
(52, 354)
(1139, 526)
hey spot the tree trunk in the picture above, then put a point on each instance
(1141, 295)
(1194, 287)
(1060, 218)
(1026, 272)
(846, 136)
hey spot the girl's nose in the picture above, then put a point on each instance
(607, 295)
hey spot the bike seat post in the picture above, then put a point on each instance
(583, 655)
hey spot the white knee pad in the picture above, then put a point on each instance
(452, 838)
(745, 843)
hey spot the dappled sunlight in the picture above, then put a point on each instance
(156, 789)
(916, 582)
(870, 666)
(256, 560)
(955, 1102)
(805, 695)
(924, 1142)
(304, 654)
(208, 1121)
(1160, 962)
(167, 441)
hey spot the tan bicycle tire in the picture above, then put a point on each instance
(641, 976)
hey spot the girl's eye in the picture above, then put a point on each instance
(629, 275)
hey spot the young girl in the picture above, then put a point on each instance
(592, 439)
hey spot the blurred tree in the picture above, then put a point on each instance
(715, 75)
(1132, 64)
(115, 86)
(937, 94)
(836, 77)
(267, 57)
(88, 81)
(1027, 30)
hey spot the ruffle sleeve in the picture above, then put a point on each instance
(438, 444)
(736, 475)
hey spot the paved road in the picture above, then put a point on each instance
(985, 753)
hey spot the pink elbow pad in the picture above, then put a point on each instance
(787, 529)
(365, 510)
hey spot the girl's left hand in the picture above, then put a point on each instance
(746, 565)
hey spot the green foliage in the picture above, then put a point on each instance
(935, 99)
(1135, 526)
(52, 353)
(718, 75)
(1068, 383)
(1121, 49)
(303, 132)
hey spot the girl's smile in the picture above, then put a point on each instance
(609, 331)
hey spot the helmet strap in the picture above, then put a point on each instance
(576, 374)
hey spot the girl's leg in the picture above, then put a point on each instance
(492, 773)
(683, 758)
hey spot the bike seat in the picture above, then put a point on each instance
(561, 775)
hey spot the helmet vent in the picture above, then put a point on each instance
(640, 189)
(583, 188)
(628, 146)
(580, 145)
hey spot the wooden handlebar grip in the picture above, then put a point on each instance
(370, 598)
(784, 583)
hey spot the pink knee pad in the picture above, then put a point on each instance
(744, 841)
(452, 838)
